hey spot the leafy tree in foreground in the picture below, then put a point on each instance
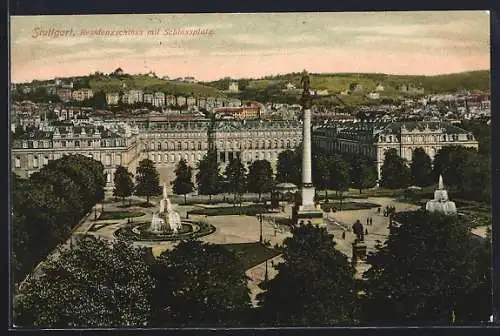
(200, 284)
(421, 168)
(339, 175)
(395, 172)
(260, 177)
(363, 173)
(315, 284)
(91, 285)
(147, 180)
(208, 176)
(236, 177)
(183, 183)
(124, 186)
(289, 168)
(425, 272)
(321, 173)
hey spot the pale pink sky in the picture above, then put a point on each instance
(255, 45)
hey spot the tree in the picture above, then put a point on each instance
(183, 183)
(424, 272)
(339, 176)
(236, 177)
(314, 284)
(124, 186)
(208, 177)
(363, 173)
(90, 285)
(321, 173)
(147, 180)
(395, 172)
(421, 168)
(289, 167)
(260, 177)
(200, 284)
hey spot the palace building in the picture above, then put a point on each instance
(372, 139)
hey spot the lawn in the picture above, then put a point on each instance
(348, 206)
(96, 227)
(247, 210)
(252, 254)
(119, 215)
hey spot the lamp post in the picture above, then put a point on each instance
(260, 220)
(266, 277)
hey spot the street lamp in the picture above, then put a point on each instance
(260, 220)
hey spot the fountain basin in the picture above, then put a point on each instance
(141, 232)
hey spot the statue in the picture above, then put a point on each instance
(357, 228)
(306, 93)
(166, 219)
(440, 184)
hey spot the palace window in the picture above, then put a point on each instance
(179, 145)
(159, 145)
(199, 145)
(77, 143)
(63, 143)
(45, 160)
(107, 160)
(158, 158)
(25, 144)
(288, 144)
(17, 162)
(118, 159)
(35, 161)
(30, 144)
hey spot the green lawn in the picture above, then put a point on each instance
(119, 215)
(247, 210)
(348, 206)
(252, 254)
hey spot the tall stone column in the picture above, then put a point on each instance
(307, 186)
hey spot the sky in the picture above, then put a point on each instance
(252, 45)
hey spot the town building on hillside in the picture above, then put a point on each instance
(190, 101)
(373, 139)
(147, 98)
(373, 95)
(242, 112)
(170, 100)
(233, 87)
(64, 94)
(181, 100)
(355, 87)
(202, 102)
(112, 98)
(379, 87)
(135, 96)
(82, 94)
(159, 99)
(290, 87)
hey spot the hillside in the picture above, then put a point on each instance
(271, 86)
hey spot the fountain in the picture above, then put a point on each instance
(166, 219)
(441, 203)
(166, 225)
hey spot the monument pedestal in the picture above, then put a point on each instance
(359, 251)
(308, 212)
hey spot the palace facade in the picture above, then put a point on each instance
(372, 139)
(116, 143)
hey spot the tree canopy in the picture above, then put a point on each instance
(395, 172)
(315, 284)
(200, 284)
(260, 177)
(93, 284)
(421, 168)
(235, 176)
(147, 179)
(124, 186)
(289, 167)
(208, 176)
(424, 272)
(183, 183)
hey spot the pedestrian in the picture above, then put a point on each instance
(378, 210)
(371, 221)
(366, 232)
(343, 235)
(367, 220)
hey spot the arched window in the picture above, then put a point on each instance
(410, 153)
(179, 145)
(158, 158)
(159, 145)
(186, 145)
(17, 162)
(282, 144)
(172, 158)
(77, 143)
(250, 145)
(45, 160)
(192, 157)
(199, 145)
(288, 144)
(275, 143)
(152, 145)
